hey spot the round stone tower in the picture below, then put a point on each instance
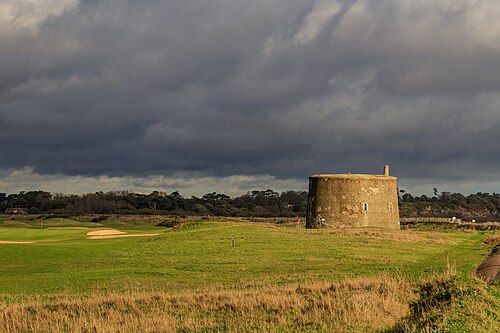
(352, 200)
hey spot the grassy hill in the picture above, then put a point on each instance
(242, 276)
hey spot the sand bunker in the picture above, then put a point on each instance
(14, 242)
(106, 232)
(113, 233)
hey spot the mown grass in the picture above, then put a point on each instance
(274, 278)
(201, 255)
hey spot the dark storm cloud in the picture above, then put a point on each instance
(283, 88)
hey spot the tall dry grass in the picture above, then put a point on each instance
(360, 305)
(394, 235)
(437, 303)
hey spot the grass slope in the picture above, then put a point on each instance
(201, 255)
(244, 277)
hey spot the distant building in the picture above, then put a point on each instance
(17, 210)
(352, 200)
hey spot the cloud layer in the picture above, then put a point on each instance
(274, 88)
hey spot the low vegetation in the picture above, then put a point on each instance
(351, 305)
(442, 303)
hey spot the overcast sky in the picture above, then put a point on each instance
(235, 95)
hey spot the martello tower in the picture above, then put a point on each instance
(352, 200)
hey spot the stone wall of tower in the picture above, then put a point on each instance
(343, 201)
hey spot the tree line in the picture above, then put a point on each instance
(447, 204)
(267, 203)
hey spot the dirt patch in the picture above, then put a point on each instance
(113, 233)
(489, 270)
(14, 242)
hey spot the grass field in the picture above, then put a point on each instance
(217, 273)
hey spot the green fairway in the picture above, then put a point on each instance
(202, 255)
